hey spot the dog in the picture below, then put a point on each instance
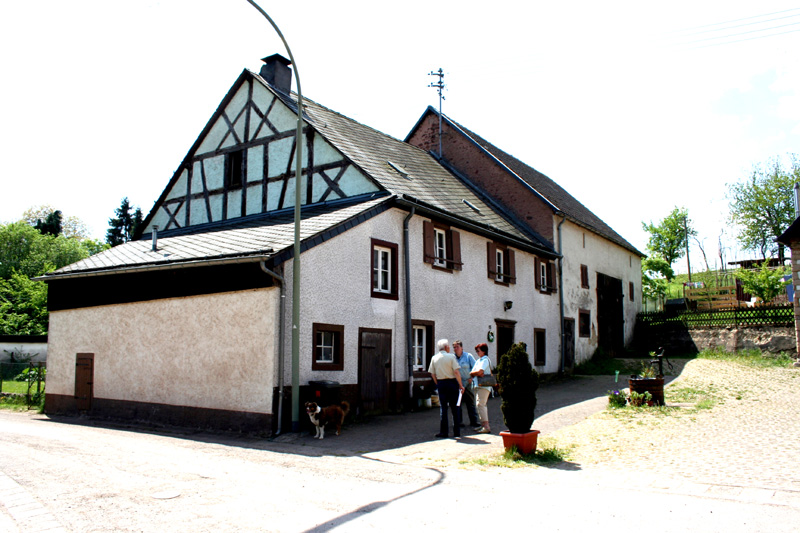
(322, 416)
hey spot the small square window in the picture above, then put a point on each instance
(441, 246)
(234, 169)
(328, 345)
(500, 263)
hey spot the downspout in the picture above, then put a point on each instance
(279, 279)
(409, 329)
(561, 294)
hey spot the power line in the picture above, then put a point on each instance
(743, 33)
(741, 25)
(737, 20)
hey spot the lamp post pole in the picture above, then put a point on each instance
(296, 257)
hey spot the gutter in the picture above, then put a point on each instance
(561, 294)
(155, 267)
(410, 201)
(409, 328)
(280, 280)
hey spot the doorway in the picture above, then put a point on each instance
(505, 337)
(569, 343)
(610, 320)
(84, 381)
(374, 369)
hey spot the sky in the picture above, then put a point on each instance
(633, 107)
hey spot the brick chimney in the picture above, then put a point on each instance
(277, 73)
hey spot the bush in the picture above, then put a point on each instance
(518, 384)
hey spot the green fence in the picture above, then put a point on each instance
(773, 315)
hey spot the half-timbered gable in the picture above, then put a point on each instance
(243, 163)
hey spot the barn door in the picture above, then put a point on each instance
(610, 320)
(374, 369)
(84, 381)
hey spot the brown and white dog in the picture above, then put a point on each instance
(322, 416)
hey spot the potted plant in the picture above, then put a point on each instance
(648, 382)
(518, 384)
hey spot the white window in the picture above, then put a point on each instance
(419, 347)
(381, 270)
(543, 275)
(325, 346)
(500, 270)
(440, 247)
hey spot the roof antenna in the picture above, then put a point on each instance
(439, 85)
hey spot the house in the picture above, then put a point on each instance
(599, 272)
(190, 323)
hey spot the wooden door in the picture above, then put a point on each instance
(569, 343)
(505, 337)
(374, 369)
(610, 319)
(84, 381)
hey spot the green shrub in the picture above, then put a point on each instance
(518, 384)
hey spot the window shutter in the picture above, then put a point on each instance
(551, 277)
(427, 241)
(537, 267)
(491, 259)
(455, 244)
(512, 272)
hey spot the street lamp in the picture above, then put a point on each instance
(296, 258)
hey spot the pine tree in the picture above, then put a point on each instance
(123, 226)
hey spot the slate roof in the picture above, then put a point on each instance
(404, 172)
(547, 188)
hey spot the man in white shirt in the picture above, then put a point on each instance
(446, 374)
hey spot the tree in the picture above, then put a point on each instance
(762, 206)
(124, 225)
(656, 274)
(51, 225)
(668, 239)
(766, 283)
(23, 306)
(71, 226)
(26, 251)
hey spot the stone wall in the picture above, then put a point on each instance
(680, 340)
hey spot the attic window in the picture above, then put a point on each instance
(471, 206)
(234, 169)
(400, 170)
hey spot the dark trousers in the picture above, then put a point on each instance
(469, 401)
(448, 396)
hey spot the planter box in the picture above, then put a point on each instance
(525, 442)
(655, 386)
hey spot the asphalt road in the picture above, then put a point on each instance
(66, 474)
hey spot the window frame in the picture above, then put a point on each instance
(584, 277)
(431, 249)
(429, 327)
(392, 248)
(235, 167)
(544, 276)
(539, 359)
(584, 315)
(337, 346)
(502, 272)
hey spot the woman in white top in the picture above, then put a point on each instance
(483, 367)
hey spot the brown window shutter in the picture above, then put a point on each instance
(512, 271)
(455, 245)
(427, 241)
(491, 259)
(537, 266)
(551, 277)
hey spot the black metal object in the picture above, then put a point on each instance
(658, 362)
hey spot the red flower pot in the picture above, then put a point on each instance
(525, 442)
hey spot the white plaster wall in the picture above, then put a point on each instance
(335, 289)
(581, 246)
(213, 351)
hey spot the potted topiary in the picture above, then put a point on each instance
(518, 384)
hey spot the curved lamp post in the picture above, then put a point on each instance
(296, 258)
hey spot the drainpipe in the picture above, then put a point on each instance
(409, 329)
(279, 279)
(561, 294)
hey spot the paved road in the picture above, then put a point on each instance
(66, 474)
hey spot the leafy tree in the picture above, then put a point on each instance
(656, 274)
(124, 225)
(23, 306)
(24, 250)
(765, 282)
(762, 206)
(668, 238)
(71, 226)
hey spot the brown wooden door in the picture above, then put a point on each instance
(569, 343)
(84, 381)
(374, 369)
(505, 337)
(610, 319)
